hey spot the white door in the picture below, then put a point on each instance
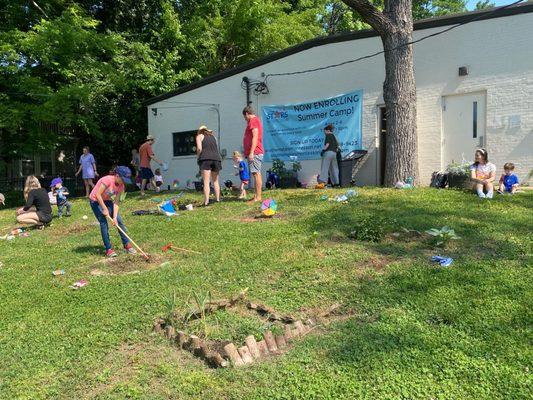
(463, 124)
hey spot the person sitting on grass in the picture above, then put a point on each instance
(60, 193)
(104, 200)
(243, 171)
(508, 181)
(37, 210)
(483, 173)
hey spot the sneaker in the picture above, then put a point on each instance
(111, 253)
(130, 249)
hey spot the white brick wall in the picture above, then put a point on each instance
(498, 53)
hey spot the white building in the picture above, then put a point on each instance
(474, 88)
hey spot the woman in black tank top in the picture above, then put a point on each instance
(209, 161)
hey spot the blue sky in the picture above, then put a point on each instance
(472, 3)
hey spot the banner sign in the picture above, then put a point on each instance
(297, 130)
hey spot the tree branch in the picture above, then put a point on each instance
(371, 15)
(39, 8)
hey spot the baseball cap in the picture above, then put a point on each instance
(2, 199)
(124, 173)
(150, 137)
(55, 181)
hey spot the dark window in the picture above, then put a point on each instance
(28, 165)
(474, 121)
(46, 164)
(184, 143)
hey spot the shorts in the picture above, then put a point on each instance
(210, 165)
(256, 164)
(508, 189)
(244, 182)
(146, 173)
(44, 217)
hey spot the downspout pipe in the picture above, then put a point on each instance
(246, 81)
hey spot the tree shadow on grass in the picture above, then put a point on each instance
(428, 318)
(94, 250)
(484, 226)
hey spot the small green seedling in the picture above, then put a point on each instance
(201, 303)
(170, 308)
(443, 235)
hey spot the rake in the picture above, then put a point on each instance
(146, 256)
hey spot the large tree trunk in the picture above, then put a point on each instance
(395, 26)
(399, 93)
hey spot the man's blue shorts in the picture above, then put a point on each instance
(146, 173)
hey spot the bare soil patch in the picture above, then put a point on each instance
(258, 217)
(78, 228)
(127, 265)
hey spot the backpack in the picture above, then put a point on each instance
(439, 180)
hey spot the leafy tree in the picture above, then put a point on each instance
(64, 71)
(481, 5)
(341, 18)
(78, 70)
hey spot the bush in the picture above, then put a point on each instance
(371, 228)
(14, 198)
(442, 236)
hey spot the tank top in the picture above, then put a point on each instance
(209, 149)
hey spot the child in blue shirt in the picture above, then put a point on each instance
(61, 193)
(508, 181)
(243, 171)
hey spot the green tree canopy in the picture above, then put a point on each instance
(84, 67)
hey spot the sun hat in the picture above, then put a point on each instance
(124, 173)
(205, 128)
(150, 137)
(55, 181)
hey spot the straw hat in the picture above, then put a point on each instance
(204, 128)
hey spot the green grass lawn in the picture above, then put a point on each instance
(412, 330)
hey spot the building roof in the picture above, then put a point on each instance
(344, 37)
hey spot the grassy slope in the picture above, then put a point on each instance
(417, 331)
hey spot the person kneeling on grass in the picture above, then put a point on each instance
(104, 199)
(37, 210)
